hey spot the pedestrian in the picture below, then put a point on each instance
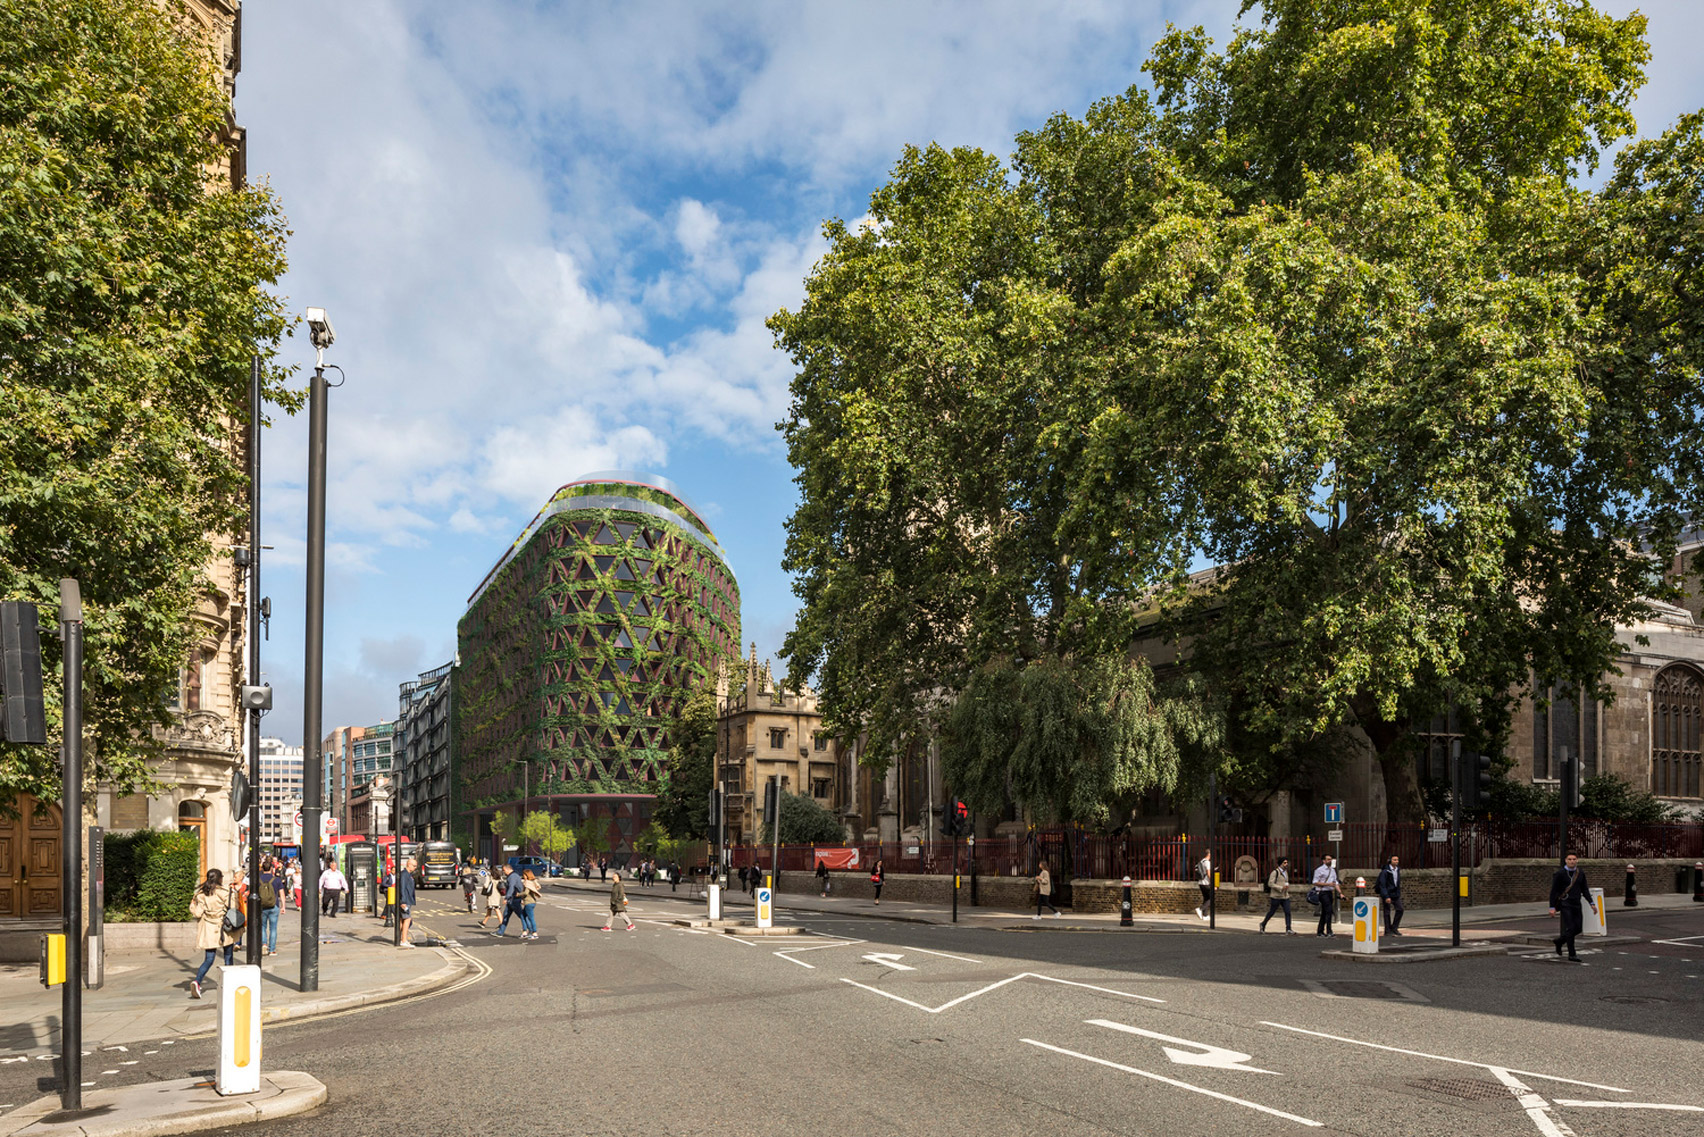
(878, 877)
(405, 901)
(674, 876)
(1568, 889)
(1389, 888)
(822, 875)
(603, 868)
(468, 878)
(270, 893)
(1203, 881)
(1325, 892)
(386, 882)
(618, 905)
(756, 880)
(209, 906)
(1278, 894)
(332, 885)
(514, 888)
(296, 881)
(491, 893)
(1044, 891)
(531, 890)
(743, 871)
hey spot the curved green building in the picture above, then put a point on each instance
(613, 604)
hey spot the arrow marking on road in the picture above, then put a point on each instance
(889, 959)
(995, 987)
(1217, 1057)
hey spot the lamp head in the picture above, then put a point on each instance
(320, 333)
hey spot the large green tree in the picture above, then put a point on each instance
(683, 804)
(1329, 311)
(133, 294)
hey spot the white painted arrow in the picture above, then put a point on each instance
(889, 959)
(1215, 1056)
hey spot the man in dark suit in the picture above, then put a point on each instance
(1567, 889)
(1389, 888)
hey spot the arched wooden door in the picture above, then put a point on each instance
(30, 844)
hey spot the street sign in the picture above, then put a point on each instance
(1334, 835)
(1438, 836)
(1334, 813)
(765, 909)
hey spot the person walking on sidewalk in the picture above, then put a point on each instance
(1325, 892)
(468, 879)
(1044, 891)
(270, 893)
(295, 874)
(1278, 894)
(822, 875)
(1389, 888)
(1203, 881)
(618, 904)
(405, 901)
(1568, 889)
(878, 877)
(674, 876)
(212, 900)
(332, 885)
(531, 890)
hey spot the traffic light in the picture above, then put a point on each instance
(1473, 780)
(1571, 782)
(955, 817)
(22, 713)
(772, 804)
(715, 812)
(1228, 812)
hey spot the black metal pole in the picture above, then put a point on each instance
(71, 1009)
(1455, 843)
(1212, 833)
(396, 851)
(955, 877)
(313, 675)
(1562, 812)
(254, 662)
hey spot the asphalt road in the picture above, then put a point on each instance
(875, 1027)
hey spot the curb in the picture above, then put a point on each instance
(452, 970)
(1421, 956)
(187, 1105)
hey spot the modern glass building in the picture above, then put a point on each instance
(613, 604)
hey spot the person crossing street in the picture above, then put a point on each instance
(618, 903)
(1568, 889)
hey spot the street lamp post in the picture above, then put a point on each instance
(313, 664)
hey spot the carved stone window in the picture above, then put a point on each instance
(1677, 705)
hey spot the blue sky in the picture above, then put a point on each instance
(549, 234)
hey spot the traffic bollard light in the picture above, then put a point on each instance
(1698, 883)
(1630, 899)
(1124, 915)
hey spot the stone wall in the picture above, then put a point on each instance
(1508, 881)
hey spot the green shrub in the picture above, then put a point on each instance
(150, 875)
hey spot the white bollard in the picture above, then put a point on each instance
(1366, 911)
(1597, 918)
(715, 894)
(239, 1030)
(765, 908)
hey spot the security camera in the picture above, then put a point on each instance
(319, 329)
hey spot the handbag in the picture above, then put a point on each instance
(234, 921)
(1313, 896)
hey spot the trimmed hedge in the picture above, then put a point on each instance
(151, 874)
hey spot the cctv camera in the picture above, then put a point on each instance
(319, 329)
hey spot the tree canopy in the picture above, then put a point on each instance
(805, 821)
(133, 295)
(683, 804)
(1328, 311)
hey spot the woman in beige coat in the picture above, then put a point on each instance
(209, 905)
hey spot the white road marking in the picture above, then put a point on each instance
(1441, 1058)
(1180, 1085)
(1575, 1103)
(942, 954)
(1217, 1057)
(20, 1058)
(996, 986)
(1536, 1107)
(787, 953)
(889, 959)
(1682, 941)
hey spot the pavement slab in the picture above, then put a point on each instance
(184, 1105)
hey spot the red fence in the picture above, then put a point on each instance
(1071, 853)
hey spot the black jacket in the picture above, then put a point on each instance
(1389, 885)
(1569, 892)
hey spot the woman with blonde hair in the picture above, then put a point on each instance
(531, 890)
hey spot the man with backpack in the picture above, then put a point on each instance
(269, 894)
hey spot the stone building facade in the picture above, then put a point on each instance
(424, 742)
(764, 731)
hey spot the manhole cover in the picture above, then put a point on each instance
(1633, 1000)
(1468, 1089)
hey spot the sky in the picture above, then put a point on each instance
(549, 234)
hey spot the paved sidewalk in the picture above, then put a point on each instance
(146, 995)
(1420, 923)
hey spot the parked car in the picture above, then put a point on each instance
(540, 866)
